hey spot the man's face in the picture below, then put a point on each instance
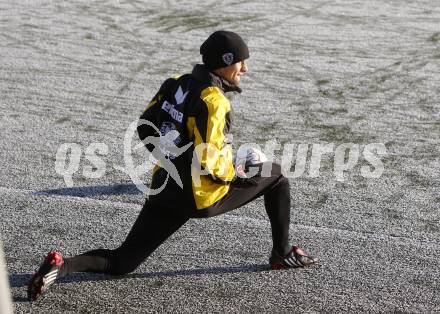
(233, 72)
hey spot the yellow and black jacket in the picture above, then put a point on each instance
(195, 108)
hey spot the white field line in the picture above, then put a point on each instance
(247, 221)
(83, 200)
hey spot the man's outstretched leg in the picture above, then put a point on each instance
(152, 227)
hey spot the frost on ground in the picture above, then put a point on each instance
(320, 72)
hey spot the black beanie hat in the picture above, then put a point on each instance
(223, 48)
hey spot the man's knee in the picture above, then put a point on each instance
(283, 181)
(276, 172)
(270, 169)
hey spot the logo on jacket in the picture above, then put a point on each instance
(171, 109)
(173, 112)
(180, 96)
(228, 58)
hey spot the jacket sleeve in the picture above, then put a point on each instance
(213, 152)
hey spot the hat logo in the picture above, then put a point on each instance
(228, 58)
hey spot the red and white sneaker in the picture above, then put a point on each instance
(45, 276)
(295, 258)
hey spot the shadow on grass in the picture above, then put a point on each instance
(117, 189)
(21, 280)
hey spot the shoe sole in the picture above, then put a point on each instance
(291, 264)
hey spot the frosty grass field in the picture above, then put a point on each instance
(320, 72)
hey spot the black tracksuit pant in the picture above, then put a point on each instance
(156, 223)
